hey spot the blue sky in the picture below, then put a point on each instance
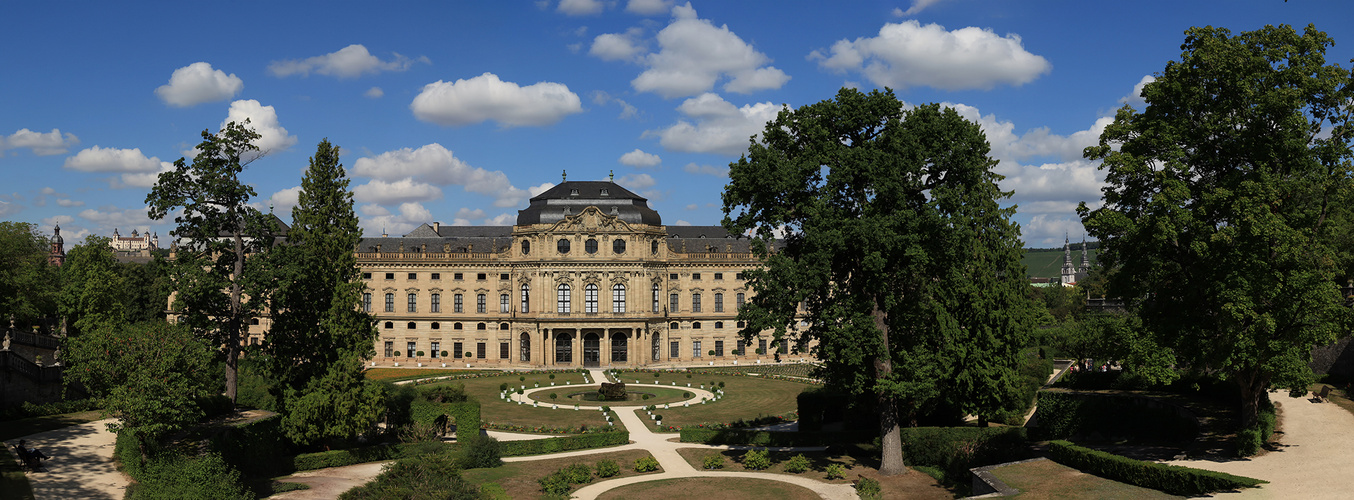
(459, 112)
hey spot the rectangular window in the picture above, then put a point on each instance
(672, 276)
(719, 302)
(761, 346)
(738, 276)
(390, 276)
(503, 277)
(695, 302)
(435, 346)
(437, 302)
(390, 349)
(366, 276)
(413, 276)
(562, 299)
(784, 346)
(502, 350)
(390, 302)
(672, 303)
(437, 276)
(456, 303)
(674, 349)
(526, 299)
(366, 302)
(504, 303)
(719, 348)
(456, 276)
(479, 303)
(741, 345)
(413, 302)
(719, 276)
(456, 350)
(479, 350)
(696, 276)
(738, 301)
(695, 348)
(411, 349)
(590, 299)
(481, 276)
(618, 299)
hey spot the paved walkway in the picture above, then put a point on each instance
(1313, 459)
(332, 482)
(81, 465)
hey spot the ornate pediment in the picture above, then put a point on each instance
(591, 219)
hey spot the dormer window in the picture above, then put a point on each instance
(605, 192)
(573, 192)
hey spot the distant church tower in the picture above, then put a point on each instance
(1069, 272)
(58, 253)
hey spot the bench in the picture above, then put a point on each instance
(26, 460)
(1324, 395)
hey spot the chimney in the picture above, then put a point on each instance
(437, 228)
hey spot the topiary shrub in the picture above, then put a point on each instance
(713, 461)
(607, 468)
(646, 464)
(419, 354)
(798, 464)
(756, 460)
(835, 471)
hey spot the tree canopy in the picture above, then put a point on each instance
(1220, 214)
(28, 284)
(908, 271)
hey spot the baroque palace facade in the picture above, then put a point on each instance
(589, 276)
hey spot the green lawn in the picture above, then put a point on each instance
(744, 397)
(713, 489)
(657, 396)
(1046, 479)
(399, 374)
(498, 411)
(518, 479)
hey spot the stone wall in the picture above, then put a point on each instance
(1336, 359)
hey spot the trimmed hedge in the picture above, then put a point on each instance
(558, 444)
(1066, 414)
(352, 456)
(764, 438)
(257, 449)
(1171, 479)
(452, 401)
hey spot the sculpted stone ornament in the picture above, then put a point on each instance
(5, 346)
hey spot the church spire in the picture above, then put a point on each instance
(1069, 271)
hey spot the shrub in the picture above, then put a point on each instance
(686, 395)
(552, 376)
(555, 483)
(756, 460)
(688, 375)
(419, 354)
(608, 468)
(503, 386)
(1063, 414)
(415, 478)
(835, 471)
(1168, 478)
(798, 464)
(553, 396)
(655, 375)
(176, 476)
(557, 444)
(578, 473)
(646, 464)
(479, 452)
(1247, 442)
(713, 461)
(646, 397)
(721, 384)
(712, 352)
(521, 378)
(868, 489)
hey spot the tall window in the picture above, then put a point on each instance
(738, 301)
(390, 302)
(562, 298)
(526, 298)
(590, 298)
(435, 346)
(719, 302)
(390, 348)
(672, 303)
(504, 303)
(479, 303)
(411, 349)
(695, 302)
(695, 348)
(413, 302)
(674, 349)
(618, 298)
(366, 302)
(719, 348)
(457, 303)
(437, 302)
(655, 297)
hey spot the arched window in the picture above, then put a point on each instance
(564, 348)
(562, 298)
(504, 303)
(525, 347)
(673, 325)
(653, 247)
(481, 326)
(435, 325)
(620, 347)
(456, 326)
(390, 324)
(412, 325)
(719, 324)
(503, 326)
(526, 299)
(655, 297)
(696, 325)
(618, 298)
(526, 250)
(590, 298)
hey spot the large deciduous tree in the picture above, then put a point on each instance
(909, 271)
(93, 291)
(319, 337)
(216, 229)
(1218, 217)
(28, 284)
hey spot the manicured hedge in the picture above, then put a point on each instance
(1171, 479)
(1065, 414)
(764, 438)
(352, 456)
(463, 410)
(567, 443)
(257, 449)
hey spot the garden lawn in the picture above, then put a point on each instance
(658, 396)
(1046, 479)
(13, 484)
(399, 374)
(712, 489)
(518, 479)
(1338, 396)
(911, 485)
(745, 398)
(543, 419)
(801, 370)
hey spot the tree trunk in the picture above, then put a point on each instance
(233, 323)
(1253, 388)
(890, 435)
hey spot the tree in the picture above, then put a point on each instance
(28, 284)
(909, 272)
(1218, 216)
(216, 230)
(319, 337)
(92, 288)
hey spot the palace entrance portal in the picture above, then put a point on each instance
(592, 350)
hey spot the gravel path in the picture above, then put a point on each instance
(330, 483)
(81, 465)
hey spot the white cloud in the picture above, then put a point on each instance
(917, 6)
(908, 54)
(67, 202)
(50, 143)
(400, 191)
(601, 98)
(682, 223)
(501, 220)
(8, 208)
(648, 7)
(618, 46)
(107, 218)
(143, 180)
(1035, 143)
(431, 165)
(543, 187)
(692, 206)
(485, 97)
(1044, 231)
(1134, 98)
(284, 200)
(468, 214)
(57, 219)
(374, 93)
(719, 127)
(137, 170)
(694, 54)
(706, 169)
(198, 83)
(636, 182)
(640, 159)
(377, 219)
(263, 119)
(349, 62)
(580, 7)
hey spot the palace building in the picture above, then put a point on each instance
(589, 276)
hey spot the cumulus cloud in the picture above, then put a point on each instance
(485, 98)
(1134, 98)
(648, 7)
(618, 46)
(640, 159)
(107, 218)
(636, 182)
(682, 223)
(693, 168)
(468, 214)
(68, 203)
(9, 208)
(41, 144)
(1045, 231)
(415, 174)
(917, 6)
(349, 62)
(602, 98)
(580, 7)
(374, 93)
(284, 200)
(377, 219)
(263, 119)
(694, 54)
(501, 220)
(198, 83)
(713, 125)
(908, 54)
(135, 168)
